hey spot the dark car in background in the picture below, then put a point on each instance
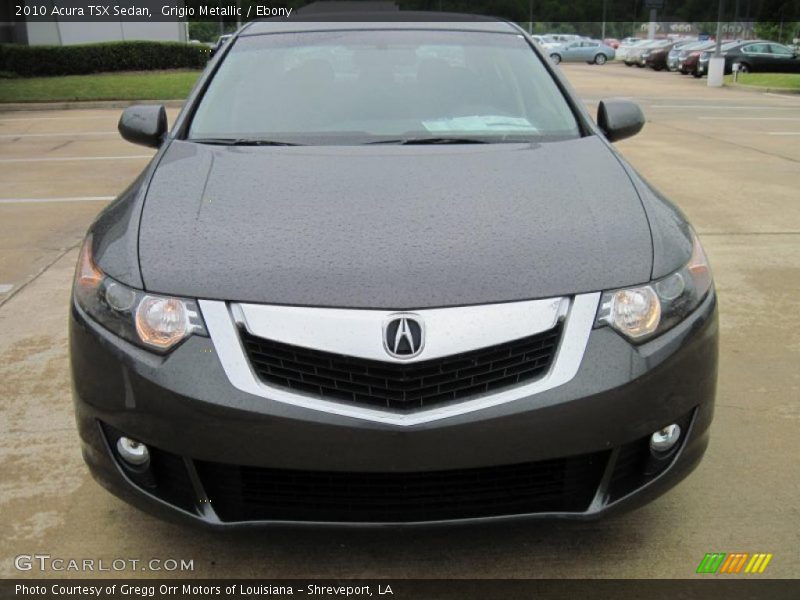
(762, 56)
(638, 54)
(678, 55)
(701, 65)
(656, 58)
(390, 272)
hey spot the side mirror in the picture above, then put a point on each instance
(144, 124)
(619, 119)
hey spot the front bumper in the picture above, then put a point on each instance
(225, 458)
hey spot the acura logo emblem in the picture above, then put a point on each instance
(403, 336)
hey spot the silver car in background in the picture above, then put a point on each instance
(681, 50)
(590, 51)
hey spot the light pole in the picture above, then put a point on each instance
(716, 64)
(603, 30)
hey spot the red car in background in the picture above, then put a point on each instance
(689, 64)
(613, 42)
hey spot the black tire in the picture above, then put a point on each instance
(658, 68)
(556, 58)
(640, 65)
(627, 64)
(600, 59)
(696, 74)
(743, 67)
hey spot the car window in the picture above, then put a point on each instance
(780, 50)
(331, 87)
(756, 48)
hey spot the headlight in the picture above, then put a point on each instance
(645, 311)
(155, 322)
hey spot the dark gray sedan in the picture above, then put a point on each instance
(390, 273)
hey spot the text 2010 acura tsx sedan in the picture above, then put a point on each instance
(390, 273)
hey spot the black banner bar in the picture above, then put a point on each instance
(714, 587)
(540, 11)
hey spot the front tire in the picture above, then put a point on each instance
(600, 59)
(556, 58)
(743, 68)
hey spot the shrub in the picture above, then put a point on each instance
(35, 61)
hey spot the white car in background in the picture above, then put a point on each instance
(627, 45)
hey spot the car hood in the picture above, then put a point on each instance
(392, 227)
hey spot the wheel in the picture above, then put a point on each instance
(743, 67)
(600, 59)
(640, 65)
(627, 64)
(658, 68)
(696, 74)
(556, 58)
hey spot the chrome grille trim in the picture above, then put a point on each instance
(223, 320)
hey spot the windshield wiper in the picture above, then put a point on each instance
(432, 140)
(242, 142)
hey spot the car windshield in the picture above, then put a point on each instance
(401, 86)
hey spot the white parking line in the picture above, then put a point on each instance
(42, 200)
(722, 107)
(74, 158)
(6, 287)
(19, 135)
(783, 133)
(115, 117)
(748, 118)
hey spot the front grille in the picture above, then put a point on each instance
(402, 387)
(242, 493)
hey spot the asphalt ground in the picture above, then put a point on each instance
(729, 158)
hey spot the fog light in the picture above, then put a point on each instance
(664, 439)
(133, 452)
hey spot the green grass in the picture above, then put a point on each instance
(145, 85)
(789, 81)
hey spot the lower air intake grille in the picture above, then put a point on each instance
(241, 493)
(402, 387)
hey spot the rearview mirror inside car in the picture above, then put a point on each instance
(619, 119)
(144, 124)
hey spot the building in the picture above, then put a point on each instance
(64, 32)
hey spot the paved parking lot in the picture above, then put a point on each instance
(731, 161)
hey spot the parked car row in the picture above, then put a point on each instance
(692, 56)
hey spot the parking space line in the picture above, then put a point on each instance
(783, 133)
(722, 107)
(74, 158)
(6, 287)
(748, 118)
(115, 117)
(43, 200)
(22, 135)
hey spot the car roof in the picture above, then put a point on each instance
(320, 21)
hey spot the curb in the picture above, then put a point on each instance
(763, 90)
(88, 104)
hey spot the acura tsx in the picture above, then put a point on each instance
(389, 273)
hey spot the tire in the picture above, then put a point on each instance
(658, 68)
(556, 58)
(627, 64)
(697, 75)
(600, 59)
(640, 65)
(743, 68)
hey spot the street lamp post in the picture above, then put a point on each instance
(716, 64)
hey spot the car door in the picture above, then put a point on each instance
(588, 50)
(756, 55)
(784, 60)
(572, 51)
